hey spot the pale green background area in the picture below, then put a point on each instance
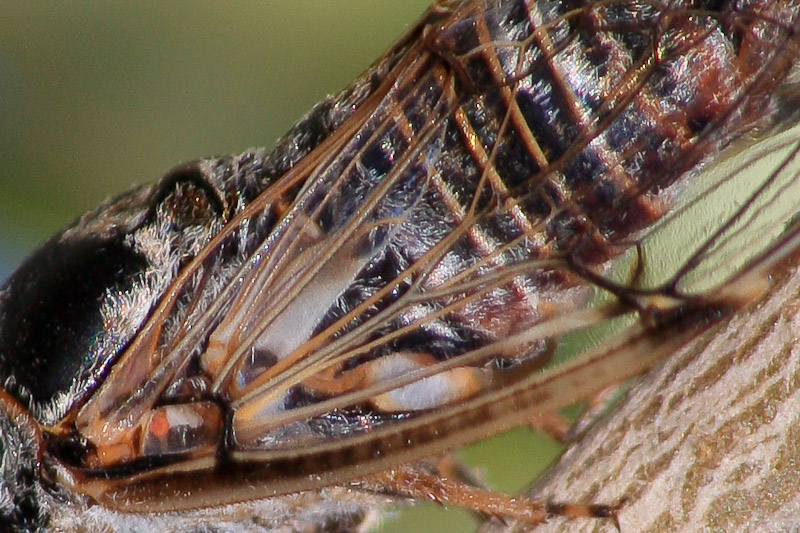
(97, 96)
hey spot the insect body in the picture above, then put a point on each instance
(254, 334)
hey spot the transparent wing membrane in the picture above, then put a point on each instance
(508, 185)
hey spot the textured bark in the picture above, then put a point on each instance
(708, 441)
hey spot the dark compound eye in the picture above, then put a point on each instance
(186, 198)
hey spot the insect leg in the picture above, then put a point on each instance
(411, 482)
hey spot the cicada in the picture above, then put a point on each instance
(291, 338)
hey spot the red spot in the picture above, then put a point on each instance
(159, 426)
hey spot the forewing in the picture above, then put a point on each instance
(497, 194)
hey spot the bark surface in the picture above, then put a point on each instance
(708, 441)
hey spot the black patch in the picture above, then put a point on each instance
(51, 330)
(697, 124)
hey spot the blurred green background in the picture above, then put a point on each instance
(96, 96)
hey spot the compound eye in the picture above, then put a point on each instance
(185, 199)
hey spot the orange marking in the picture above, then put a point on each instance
(113, 455)
(159, 426)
